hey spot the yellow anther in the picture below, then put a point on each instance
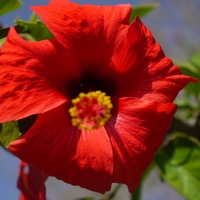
(91, 110)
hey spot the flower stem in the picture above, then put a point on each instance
(136, 195)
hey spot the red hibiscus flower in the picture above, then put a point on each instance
(103, 91)
(31, 183)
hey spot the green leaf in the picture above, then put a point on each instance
(9, 132)
(192, 68)
(185, 107)
(142, 10)
(37, 29)
(19, 29)
(195, 60)
(34, 17)
(2, 40)
(179, 164)
(9, 5)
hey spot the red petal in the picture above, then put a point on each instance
(81, 158)
(91, 32)
(31, 183)
(136, 132)
(33, 76)
(145, 72)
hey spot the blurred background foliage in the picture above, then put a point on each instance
(175, 26)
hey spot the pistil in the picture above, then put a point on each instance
(91, 110)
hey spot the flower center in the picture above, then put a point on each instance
(90, 110)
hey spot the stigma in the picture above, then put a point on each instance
(91, 110)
